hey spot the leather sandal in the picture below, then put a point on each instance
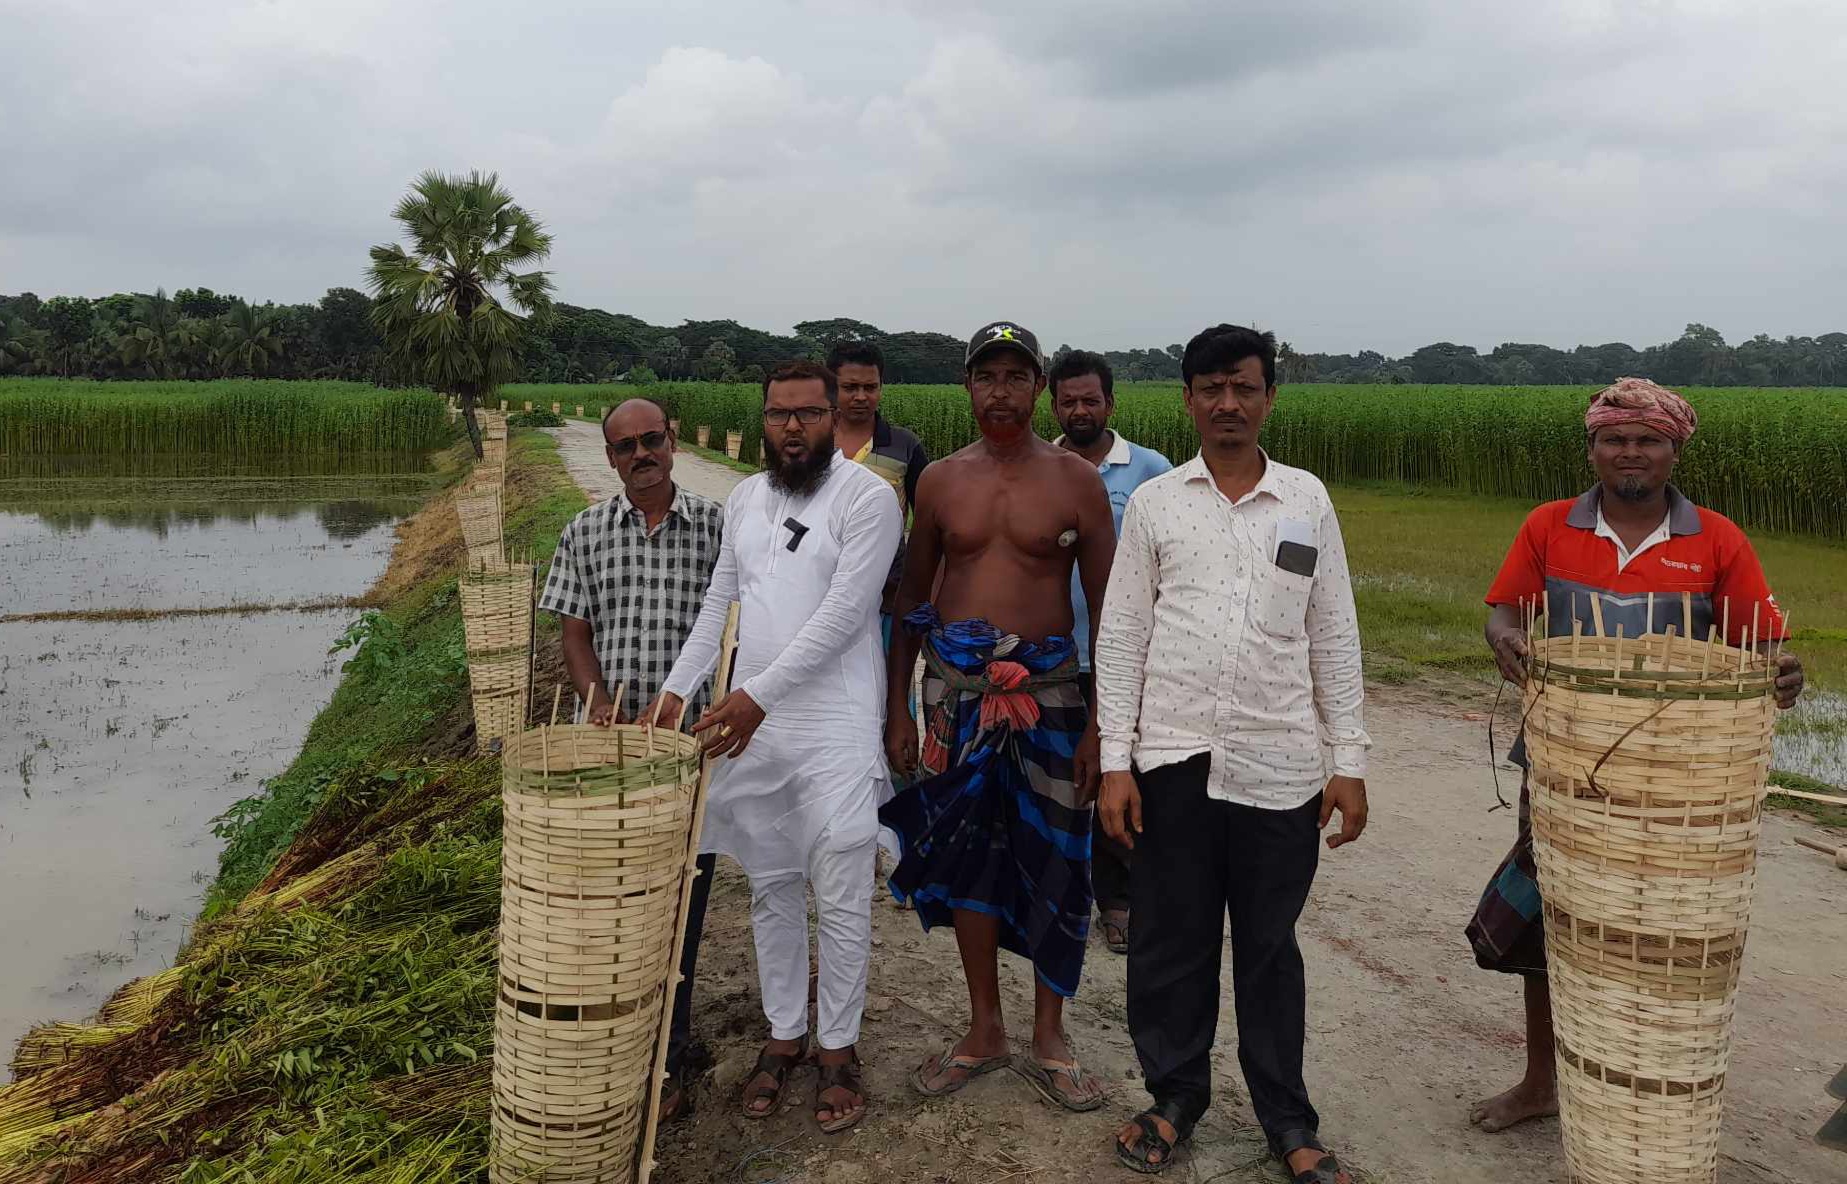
(1327, 1169)
(776, 1066)
(845, 1076)
(1139, 1156)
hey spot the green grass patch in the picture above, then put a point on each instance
(1822, 812)
(1422, 561)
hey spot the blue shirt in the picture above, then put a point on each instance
(1125, 468)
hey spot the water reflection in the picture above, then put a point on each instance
(349, 496)
(347, 519)
(191, 464)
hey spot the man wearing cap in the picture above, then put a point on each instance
(996, 833)
(1632, 545)
(1083, 389)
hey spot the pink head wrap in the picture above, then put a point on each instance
(1637, 400)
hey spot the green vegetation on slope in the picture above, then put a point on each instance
(246, 419)
(332, 1017)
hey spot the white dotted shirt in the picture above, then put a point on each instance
(1208, 646)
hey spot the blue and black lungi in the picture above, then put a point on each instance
(994, 824)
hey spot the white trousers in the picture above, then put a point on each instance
(842, 881)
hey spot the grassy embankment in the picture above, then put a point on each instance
(330, 1018)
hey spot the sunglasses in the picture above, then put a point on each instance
(652, 441)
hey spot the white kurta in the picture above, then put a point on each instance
(810, 654)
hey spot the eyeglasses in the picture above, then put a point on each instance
(1016, 382)
(779, 416)
(652, 441)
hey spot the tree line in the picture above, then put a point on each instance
(197, 333)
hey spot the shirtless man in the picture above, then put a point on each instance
(996, 834)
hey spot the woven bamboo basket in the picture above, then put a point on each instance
(702, 436)
(497, 608)
(479, 512)
(734, 444)
(497, 635)
(594, 861)
(1649, 758)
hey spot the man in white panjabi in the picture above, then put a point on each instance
(808, 545)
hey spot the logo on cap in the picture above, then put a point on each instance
(1001, 333)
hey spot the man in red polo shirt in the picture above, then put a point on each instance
(1646, 558)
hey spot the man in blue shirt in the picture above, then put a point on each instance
(1083, 398)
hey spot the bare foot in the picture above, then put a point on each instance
(1517, 1105)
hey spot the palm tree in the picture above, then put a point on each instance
(158, 337)
(439, 304)
(249, 340)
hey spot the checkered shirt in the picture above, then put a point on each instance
(640, 592)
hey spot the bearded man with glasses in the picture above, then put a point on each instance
(808, 546)
(627, 581)
(996, 836)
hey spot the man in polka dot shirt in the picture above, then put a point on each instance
(1228, 673)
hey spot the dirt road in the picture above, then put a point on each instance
(1405, 1031)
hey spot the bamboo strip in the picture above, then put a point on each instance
(721, 686)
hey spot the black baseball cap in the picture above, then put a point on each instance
(999, 334)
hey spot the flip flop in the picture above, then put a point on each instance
(1115, 933)
(972, 1067)
(1043, 1076)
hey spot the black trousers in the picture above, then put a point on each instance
(680, 1034)
(1109, 860)
(1199, 861)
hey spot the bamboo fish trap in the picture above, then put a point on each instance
(600, 834)
(497, 632)
(1649, 757)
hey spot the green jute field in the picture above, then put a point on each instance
(1769, 459)
(235, 418)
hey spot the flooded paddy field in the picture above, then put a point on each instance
(133, 711)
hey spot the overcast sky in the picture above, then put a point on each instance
(1376, 175)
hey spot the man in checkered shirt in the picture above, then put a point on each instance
(627, 581)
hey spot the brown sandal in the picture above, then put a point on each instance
(776, 1066)
(845, 1076)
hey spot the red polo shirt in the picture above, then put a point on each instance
(1559, 556)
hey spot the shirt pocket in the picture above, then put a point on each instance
(1282, 604)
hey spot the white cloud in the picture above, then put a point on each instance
(1112, 173)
